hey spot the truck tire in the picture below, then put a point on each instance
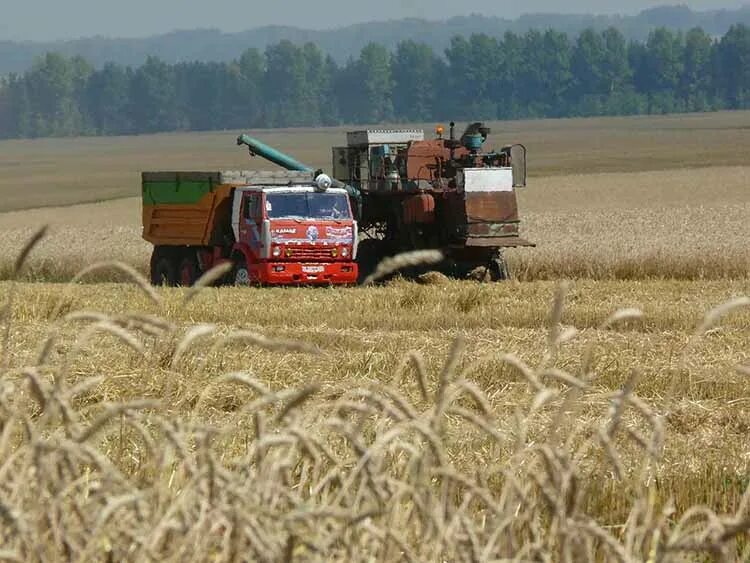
(163, 267)
(189, 270)
(240, 274)
(499, 270)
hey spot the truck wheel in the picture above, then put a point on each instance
(240, 272)
(189, 271)
(163, 270)
(499, 270)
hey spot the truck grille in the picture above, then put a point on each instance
(318, 253)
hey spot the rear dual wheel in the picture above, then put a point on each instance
(163, 267)
(174, 266)
(498, 269)
(189, 270)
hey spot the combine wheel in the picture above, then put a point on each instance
(369, 255)
(163, 270)
(240, 274)
(499, 270)
(189, 270)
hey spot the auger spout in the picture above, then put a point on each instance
(258, 148)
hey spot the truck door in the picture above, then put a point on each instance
(251, 223)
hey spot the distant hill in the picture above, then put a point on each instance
(341, 43)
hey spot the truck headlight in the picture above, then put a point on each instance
(276, 252)
(344, 252)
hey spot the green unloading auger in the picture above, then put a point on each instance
(258, 148)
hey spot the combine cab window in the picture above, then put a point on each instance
(325, 206)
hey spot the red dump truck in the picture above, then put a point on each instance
(276, 228)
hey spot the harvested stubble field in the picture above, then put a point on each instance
(443, 422)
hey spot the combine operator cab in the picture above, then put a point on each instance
(444, 193)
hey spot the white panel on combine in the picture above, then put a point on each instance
(488, 179)
(383, 137)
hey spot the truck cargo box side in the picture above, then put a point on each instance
(185, 208)
(195, 208)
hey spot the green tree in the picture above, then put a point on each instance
(53, 86)
(7, 126)
(374, 80)
(587, 65)
(106, 100)
(481, 77)
(696, 81)
(153, 98)
(246, 78)
(734, 67)
(200, 90)
(661, 70)
(474, 77)
(284, 86)
(601, 72)
(507, 95)
(414, 81)
(616, 71)
(316, 73)
(330, 113)
(364, 87)
(20, 107)
(81, 72)
(546, 77)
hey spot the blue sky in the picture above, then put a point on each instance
(63, 19)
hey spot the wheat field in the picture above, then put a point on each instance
(670, 224)
(595, 408)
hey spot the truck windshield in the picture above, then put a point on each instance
(310, 205)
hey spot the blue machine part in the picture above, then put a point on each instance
(380, 151)
(473, 142)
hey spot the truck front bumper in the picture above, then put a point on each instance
(285, 273)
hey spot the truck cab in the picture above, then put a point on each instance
(295, 234)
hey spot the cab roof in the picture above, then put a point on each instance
(299, 188)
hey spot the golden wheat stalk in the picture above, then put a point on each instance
(208, 279)
(393, 264)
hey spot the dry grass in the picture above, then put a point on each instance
(381, 423)
(390, 423)
(681, 224)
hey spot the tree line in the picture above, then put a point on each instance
(536, 74)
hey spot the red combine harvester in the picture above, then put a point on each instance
(445, 193)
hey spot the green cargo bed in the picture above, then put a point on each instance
(188, 188)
